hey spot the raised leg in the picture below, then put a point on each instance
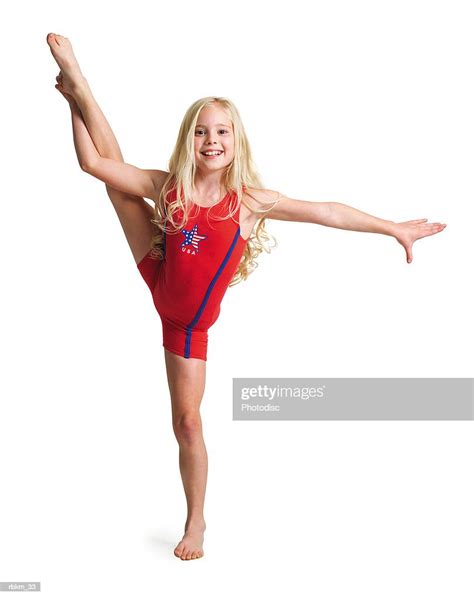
(186, 380)
(134, 212)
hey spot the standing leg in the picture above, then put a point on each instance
(186, 380)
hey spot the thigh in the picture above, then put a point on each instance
(135, 216)
(186, 381)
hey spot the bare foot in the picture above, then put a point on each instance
(70, 75)
(190, 546)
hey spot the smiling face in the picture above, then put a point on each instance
(213, 133)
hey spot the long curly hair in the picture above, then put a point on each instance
(241, 173)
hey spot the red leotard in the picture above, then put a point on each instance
(188, 285)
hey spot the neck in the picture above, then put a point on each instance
(209, 190)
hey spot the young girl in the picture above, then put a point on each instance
(203, 234)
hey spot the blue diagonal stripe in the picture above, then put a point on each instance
(192, 324)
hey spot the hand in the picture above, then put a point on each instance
(408, 232)
(60, 86)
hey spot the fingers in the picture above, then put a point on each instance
(430, 229)
(422, 222)
(434, 231)
(434, 227)
(64, 94)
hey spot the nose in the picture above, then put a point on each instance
(210, 138)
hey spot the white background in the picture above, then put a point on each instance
(364, 103)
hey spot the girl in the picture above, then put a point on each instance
(203, 234)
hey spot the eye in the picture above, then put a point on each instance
(199, 131)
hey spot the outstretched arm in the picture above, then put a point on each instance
(341, 216)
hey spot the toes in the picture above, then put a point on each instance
(184, 552)
(186, 555)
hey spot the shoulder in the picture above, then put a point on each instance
(261, 199)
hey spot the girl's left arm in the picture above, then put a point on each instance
(341, 216)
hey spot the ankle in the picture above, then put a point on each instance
(80, 88)
(195, 522)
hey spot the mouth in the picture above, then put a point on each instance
(212, 153)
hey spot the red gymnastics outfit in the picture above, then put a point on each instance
(188, 285)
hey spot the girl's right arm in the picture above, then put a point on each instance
(120, 175)
(101, 156)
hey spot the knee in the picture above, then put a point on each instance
(187, 427)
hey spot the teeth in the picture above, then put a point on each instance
(215, 153)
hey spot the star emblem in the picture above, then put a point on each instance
(192, 238)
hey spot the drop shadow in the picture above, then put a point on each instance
(161, 541)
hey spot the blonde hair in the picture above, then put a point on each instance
(240, 173)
